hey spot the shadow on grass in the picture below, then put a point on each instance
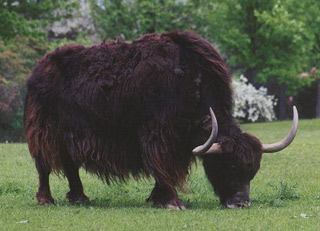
(107, 203)
(203, 205)
(283, 195)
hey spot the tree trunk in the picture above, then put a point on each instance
(283, 103)
(318, 100)
(250, 74)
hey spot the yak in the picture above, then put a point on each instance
(138, 109)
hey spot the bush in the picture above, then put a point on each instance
(17, 58)
(285, 191)
(252, 104)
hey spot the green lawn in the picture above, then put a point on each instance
(285, 194)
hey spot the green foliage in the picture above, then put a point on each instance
(27, 18)
(308, 12)
(131, 19)
(80, 40)
(265, 37)
(22, 43)
(13, 23)
(32, 9)
(288, 44)
(17, 58)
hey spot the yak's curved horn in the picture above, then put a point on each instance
(214, 132)
(276, 147)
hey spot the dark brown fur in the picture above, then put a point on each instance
(121, 109)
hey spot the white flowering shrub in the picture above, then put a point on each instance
(252, 104)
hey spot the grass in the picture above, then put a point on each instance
(285, 194)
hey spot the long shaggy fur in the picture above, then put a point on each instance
(121, 109)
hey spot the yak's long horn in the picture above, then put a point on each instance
(276, 147)
(214, 132)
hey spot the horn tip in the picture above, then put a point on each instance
(295, 113)
(195, 150)
(211, 111)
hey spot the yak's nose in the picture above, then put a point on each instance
(232, 204)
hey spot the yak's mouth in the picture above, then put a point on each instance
(239, 204)
(240, 199)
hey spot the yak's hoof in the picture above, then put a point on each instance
(44, 199)
(77, 198)
(176, 204)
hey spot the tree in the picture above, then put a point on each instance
(27, 17)
(22, 42)
(17, 58)
(123, 19)
(313, 23)
(265, 40)
(308, 12)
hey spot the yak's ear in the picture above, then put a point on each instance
(276, 147)
(202, 149)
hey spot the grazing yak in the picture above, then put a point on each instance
(139, 109)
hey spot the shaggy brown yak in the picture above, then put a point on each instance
(131, 109)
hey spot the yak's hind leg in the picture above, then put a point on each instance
(166, 159)
(43, 195)
(71, 171)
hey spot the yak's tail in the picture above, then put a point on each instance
(200, 53)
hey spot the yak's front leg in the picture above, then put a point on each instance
(166, 158)
(165, 197)
(76, 194)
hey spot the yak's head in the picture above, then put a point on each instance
(231, 164)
